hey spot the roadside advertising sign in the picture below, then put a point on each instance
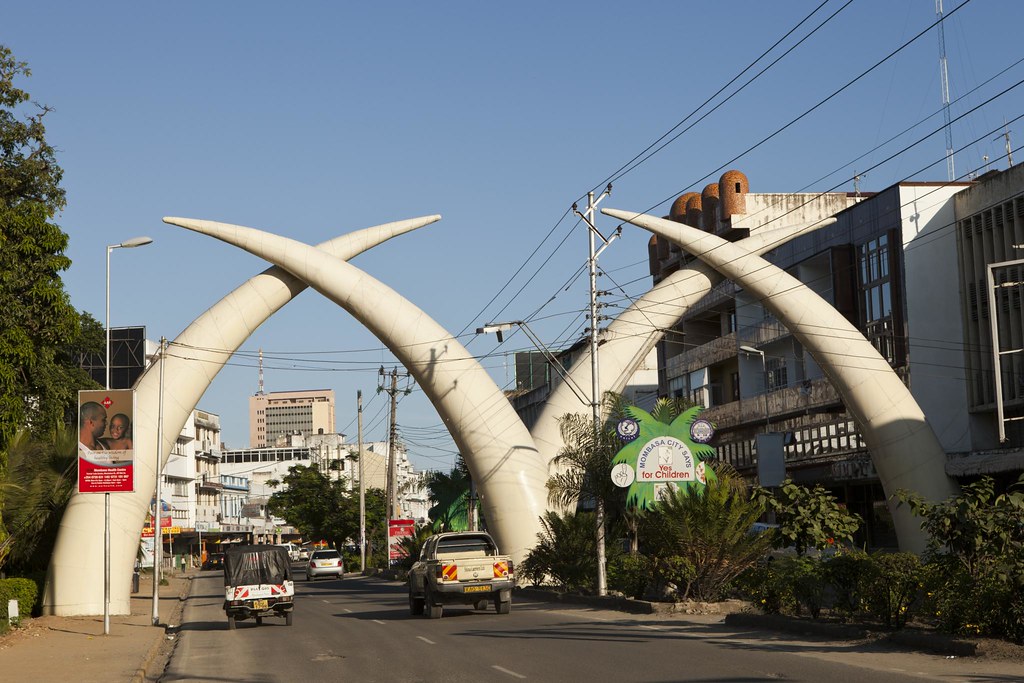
(106, 436)
(397, 530)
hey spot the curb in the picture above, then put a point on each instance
(152, 655)
(623, 604)
(936, 643)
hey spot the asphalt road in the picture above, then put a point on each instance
(359, 629)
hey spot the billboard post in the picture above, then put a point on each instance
(106, 459)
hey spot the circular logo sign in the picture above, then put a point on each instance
(627, 429)
(701, 431)
(623, 475)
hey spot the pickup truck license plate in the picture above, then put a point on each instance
(476, 589)
(259, 604)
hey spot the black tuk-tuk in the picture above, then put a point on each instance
(257, 583)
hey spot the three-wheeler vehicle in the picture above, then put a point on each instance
(257, 583)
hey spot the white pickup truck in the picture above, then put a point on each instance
(463, 568)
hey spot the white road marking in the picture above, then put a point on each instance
(507, 671)
(344, 609)
(653, 628)
(428, 641)
(378, 621)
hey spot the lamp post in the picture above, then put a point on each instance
(127, 244)
(764, 371)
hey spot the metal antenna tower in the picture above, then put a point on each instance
(944, 78)
(259, 387)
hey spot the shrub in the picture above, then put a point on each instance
(767, 587)
(806, 578)
(976, 544)
(701, 540)
(24, 591)
(892, 587)
(631, 574)
(807, 517)
(566, 552)
(845, 573)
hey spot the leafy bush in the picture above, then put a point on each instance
(24, 591)
(892, 586)
(631, 574)
(845, 573)
(768, 588)
(976, 546)
(566, 552)
(806, 578)
(807, 518)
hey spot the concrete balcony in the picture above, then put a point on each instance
(702, 356)
(811, 396)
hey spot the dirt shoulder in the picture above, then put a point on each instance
(52, 648)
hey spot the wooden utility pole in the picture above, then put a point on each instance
(392, 481)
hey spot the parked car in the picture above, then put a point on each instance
(304, 554)
(214, 561)
(325, 563)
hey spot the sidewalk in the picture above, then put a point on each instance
(64, 649)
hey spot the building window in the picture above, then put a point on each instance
(876, 296)
(778, 375)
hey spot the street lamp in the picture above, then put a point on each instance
(764, 370)
(127, 244)
(500, 328)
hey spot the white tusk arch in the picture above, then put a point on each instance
(74, 584)
(631, 336)
(497, 447)
(903, 447)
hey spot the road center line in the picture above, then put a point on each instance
(428, 641)
(507, 671)
(653, 628)
(344, 609)
(378, 621)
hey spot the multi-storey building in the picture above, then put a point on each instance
(277, 416)
(266, 468)
(906, 266)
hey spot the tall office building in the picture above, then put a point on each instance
(277, 415)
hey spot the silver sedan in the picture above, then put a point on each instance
(325, 563)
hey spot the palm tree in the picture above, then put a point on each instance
(709, 530)
(41, 477)
(450, 493)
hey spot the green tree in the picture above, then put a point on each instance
(323, 508)
(807, 518)
(41, 328)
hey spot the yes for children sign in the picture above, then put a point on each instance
(661, 455)
(665, 459)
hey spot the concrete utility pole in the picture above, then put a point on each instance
(595, 384)
(362, 481)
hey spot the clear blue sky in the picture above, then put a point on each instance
(317, 118)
